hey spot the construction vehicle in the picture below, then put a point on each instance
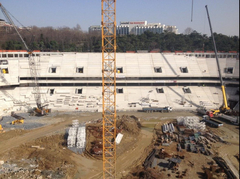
(211, 121)
(40, 109)
(1, 129)
(224, 108)
(19, 119)
(157, 109)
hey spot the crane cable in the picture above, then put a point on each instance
(16, 20)
(33, 36)
(192, 12)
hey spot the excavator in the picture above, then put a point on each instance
(224, 108)
(40, 109)
(19, 119)
(1, 129)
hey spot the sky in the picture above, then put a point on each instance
(224, 14)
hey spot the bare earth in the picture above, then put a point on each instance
(82, 166)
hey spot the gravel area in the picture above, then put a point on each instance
(30, 122)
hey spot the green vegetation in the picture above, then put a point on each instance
(74, 40)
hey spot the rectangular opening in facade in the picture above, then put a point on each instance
(16, 55)
(78, 91)
(158, 69)
(229, 70)
(119, 90)
(159, 90)
(51, 91)
(25, 55)
(3, 62)
(79, 69)
(52, 69)
(187, 90)
(4, 70)
(237, 92)
(184, 69)
(119, 69)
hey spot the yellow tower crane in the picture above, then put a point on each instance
(109, 87)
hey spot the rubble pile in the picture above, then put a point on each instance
(12, 170)
(129, 124)
(45, 157)
(189, 134)
(125, 124)
(140, 172)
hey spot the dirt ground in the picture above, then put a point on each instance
(44, 149)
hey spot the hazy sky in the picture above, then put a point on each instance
(224, 14)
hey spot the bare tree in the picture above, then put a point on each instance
(188, 31)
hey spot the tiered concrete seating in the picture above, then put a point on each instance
(194, 68)
(133, 65)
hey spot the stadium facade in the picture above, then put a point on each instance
(72, 81)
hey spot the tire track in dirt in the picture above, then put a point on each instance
(6, 145)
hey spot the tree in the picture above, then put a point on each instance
(188, 30)
(73, 39)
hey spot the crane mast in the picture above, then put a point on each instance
(225, 106)
(109, 87)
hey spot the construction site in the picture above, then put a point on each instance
(148, 149)
(118, 115)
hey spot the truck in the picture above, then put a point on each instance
(232, 119)
(211, 121)
(157, 109)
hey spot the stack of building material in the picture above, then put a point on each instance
(165, 128)
(77, 137)
(72, 134)
(71, 141)
(75, 123)
(171, 128)
(191, 122)
(168, 128)
(81, 138)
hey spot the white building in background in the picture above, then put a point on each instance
(138, 28)
(2, 22)
(95, 28)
